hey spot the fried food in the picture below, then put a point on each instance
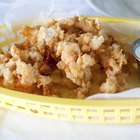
(70, 49)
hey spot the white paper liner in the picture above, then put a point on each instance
(37, 11)
(132, 93)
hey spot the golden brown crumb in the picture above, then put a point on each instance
(68, 48)
(114, 69)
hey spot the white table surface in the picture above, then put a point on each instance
(19, 126)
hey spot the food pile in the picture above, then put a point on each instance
(64, 53)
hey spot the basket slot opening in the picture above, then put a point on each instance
(93, 117)
(60, 108)
(109, 117)
(34, 111)
(48, 113)
(2, 39)
(75, 109)
(20, 107)
(8, 104)
(78, 117)
(125, 110)
(62, 115)
(32, 106)
(45, 106)
(138, 109)
(125, 117)
(92, 110)
(109, 110)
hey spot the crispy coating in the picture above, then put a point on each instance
(71, 47)
(113, 66)
(76, 65)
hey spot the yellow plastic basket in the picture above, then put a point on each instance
(95, 111)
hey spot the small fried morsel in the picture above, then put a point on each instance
(72, 47)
